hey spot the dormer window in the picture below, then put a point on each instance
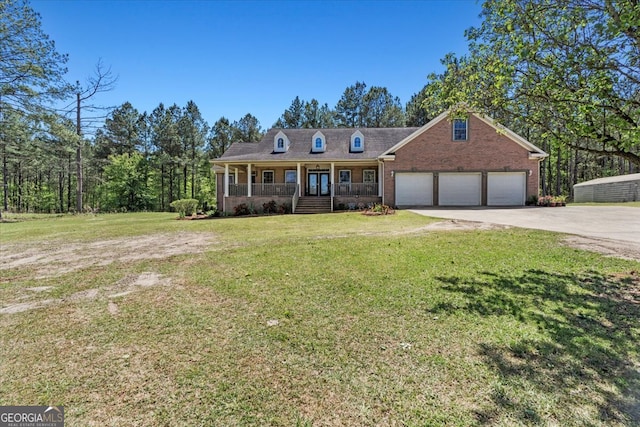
(357, 142)
(280, 143)
(318, 143)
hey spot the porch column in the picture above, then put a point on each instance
(380, 178)
(235, 178)
(299, 179)
(226, 180)
(249, 180)
(331, 177)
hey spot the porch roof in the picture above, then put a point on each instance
(376, 141)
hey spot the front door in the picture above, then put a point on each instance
(318, 184)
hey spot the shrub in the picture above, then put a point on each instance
(284, 208)
(270, 207)
(241, 209)
(185, 207)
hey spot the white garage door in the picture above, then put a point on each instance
(506, 188)
(414, 189)
(460, 189)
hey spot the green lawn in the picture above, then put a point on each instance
(320, 320)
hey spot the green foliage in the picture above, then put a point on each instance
(126, 187)
(185, 207)
(31, 70)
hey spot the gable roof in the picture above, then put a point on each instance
(534, 151)
(338, 141)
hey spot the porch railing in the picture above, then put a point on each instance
(285, 190)
(356, 189)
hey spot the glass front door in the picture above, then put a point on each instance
(318, 184)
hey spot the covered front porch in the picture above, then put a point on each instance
(346, 185)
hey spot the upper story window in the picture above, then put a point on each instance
(318, 143)
(357, 142)
(460, 129)
(280, 143)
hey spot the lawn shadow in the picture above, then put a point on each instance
(588, 360)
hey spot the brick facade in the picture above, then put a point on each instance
(485, 150)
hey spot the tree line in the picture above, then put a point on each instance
(566, 76)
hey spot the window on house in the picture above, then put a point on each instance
(232, 179)
(280, 143)
(345, 176)
(357, 142)
(290, 177)
(460, 129)
(318, 142)
(267, 177)
(369, 176)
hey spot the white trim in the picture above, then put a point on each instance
(381, 180)
(248, 179)
(286, 144)
(313, 142)
(352, 147)
(226, 180)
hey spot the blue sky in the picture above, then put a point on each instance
(238, 57)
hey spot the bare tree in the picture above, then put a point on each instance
(102, 80)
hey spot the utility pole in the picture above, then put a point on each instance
(78, 153)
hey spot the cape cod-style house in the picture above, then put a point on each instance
(448, 162)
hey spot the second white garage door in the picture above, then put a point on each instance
(506, 188)
(460, 189)
(414, 189)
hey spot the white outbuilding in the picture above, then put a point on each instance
(622, 188)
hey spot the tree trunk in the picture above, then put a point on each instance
(162, 187)
(69, 186)
(559, 172)
(193, 180)
(61, 189)
(5, 181)
(19, 186)
(79, 158)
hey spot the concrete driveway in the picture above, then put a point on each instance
(599, 222)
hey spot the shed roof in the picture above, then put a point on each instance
(610, 180)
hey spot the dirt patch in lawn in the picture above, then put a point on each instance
(121, 288)
(51, 258)
(613, 248)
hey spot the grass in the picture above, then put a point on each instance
(334, 319)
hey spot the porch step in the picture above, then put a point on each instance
(313, 205)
